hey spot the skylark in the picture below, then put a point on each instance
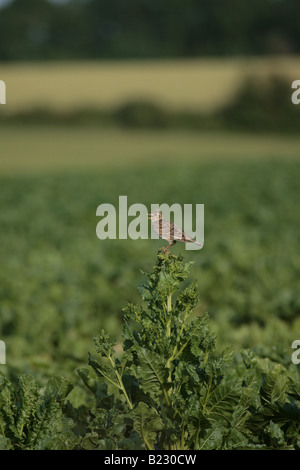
(169, 231)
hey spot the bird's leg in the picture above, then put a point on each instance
(166, 249)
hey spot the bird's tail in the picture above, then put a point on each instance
(197, 243)
(191, 240)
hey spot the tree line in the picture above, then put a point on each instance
(93, 29)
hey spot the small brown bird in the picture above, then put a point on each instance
(169, 231)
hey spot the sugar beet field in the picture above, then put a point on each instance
(221, 372)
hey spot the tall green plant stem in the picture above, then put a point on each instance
(121, 385)
(177, 353)
(169, 308)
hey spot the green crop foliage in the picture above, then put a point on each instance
(59, 285)
(168, 388)
(31, 418)
(163, 387)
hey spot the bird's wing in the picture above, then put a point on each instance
(170, 231)
(177, 233)
(181, 236)
(167, 230)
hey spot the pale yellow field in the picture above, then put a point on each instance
(187, 84)
(40, 149)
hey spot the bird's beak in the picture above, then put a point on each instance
(149, 216)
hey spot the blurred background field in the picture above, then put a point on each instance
(83, 125)
(31, 149)
(60, 284)
(179, 84)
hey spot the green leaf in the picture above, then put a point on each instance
(133, 442)
(242, 411)
(27, 398)
(211, 439)
(282, 414)
(151, 373)
(59, 388)
(222, 402)
(5, 443)
(32, 418)
(274, 385)
(148, 423)
(275, 434)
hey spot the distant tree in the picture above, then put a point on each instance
(41, 29)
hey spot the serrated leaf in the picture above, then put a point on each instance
(241, 412)
(59, 388)
(234, 439)
(148, 423)
(32, 418)
(274, 385)
(222, 402)
(151, 373)
(211, 439)
(287, 413)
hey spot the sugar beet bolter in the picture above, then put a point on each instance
(169, 231)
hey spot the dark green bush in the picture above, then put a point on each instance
(141, 114)
(262, 105)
